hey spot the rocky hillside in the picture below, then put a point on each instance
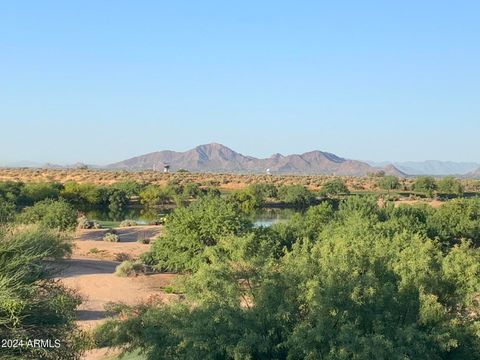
(219, 158)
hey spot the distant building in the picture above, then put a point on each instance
(166, 168)
(268, 172)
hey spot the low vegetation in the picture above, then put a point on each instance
(358, 281)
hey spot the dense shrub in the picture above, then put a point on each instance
(84, 223)
(82, 195)
(33, 192)
(128, 223)
(189, 232)
(32, 304)
(361, 282)
(51, 214)
(247, 199)
(455, 220)
(450, 186)
(426, 185)
(10, 191)
(334, 188)
(129, 268)
(389, 182)
(296, 195)
(154, 195)
(7, 211)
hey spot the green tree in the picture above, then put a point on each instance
(154, 195)
(190, 231)
(334, 188)
(296, 195)
(247, 199)
(426, 185)
(450, 186)
(51, 214)
(356, 292)
(33, 192)
(82, 195)
(11, 190)
(389, 182)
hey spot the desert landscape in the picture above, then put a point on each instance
(239, 180)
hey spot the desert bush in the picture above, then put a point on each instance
(362, 283)
(111, 237)
(84, 223)
(129, 268)
(334, 188)
(51, 214)
(32, 304)
(82, 195)
(122, 257)
(247, 199)
(296, 195)
(389, 182)
(189, 232)
(426, 185)
(10, 191)
(450, 186)
(154, 195)
(7, 211)
(34, 192)
(128, 223)
(130, 188)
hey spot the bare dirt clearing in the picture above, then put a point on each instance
(91, 273)
(89, 243)
(96, 282)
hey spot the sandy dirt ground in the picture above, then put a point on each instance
(89, 243)
(92, 275)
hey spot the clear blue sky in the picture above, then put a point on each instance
(100, 81)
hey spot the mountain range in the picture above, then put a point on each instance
(432, 167)
(215, 157)
(219, 158)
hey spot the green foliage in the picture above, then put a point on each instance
(190, 231)
(356, 292)
(130, 188)
(154, 195)
(129, 268)
(34, 192)
(265, 190)
(296, 195)
(117, 201)
(192, 190)
(247, 199)
(52, 214)
(11, 190)
(81, 195)
(455, 220)
(7, 211)
(389, 182)
(450, 186)
(334, 188)
(426, 185)
(32, 305)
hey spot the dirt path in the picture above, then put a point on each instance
(91, 273)
(89, 243)
(96, 282)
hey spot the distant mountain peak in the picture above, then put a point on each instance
(215, 157)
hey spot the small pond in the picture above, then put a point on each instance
(262, 217)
